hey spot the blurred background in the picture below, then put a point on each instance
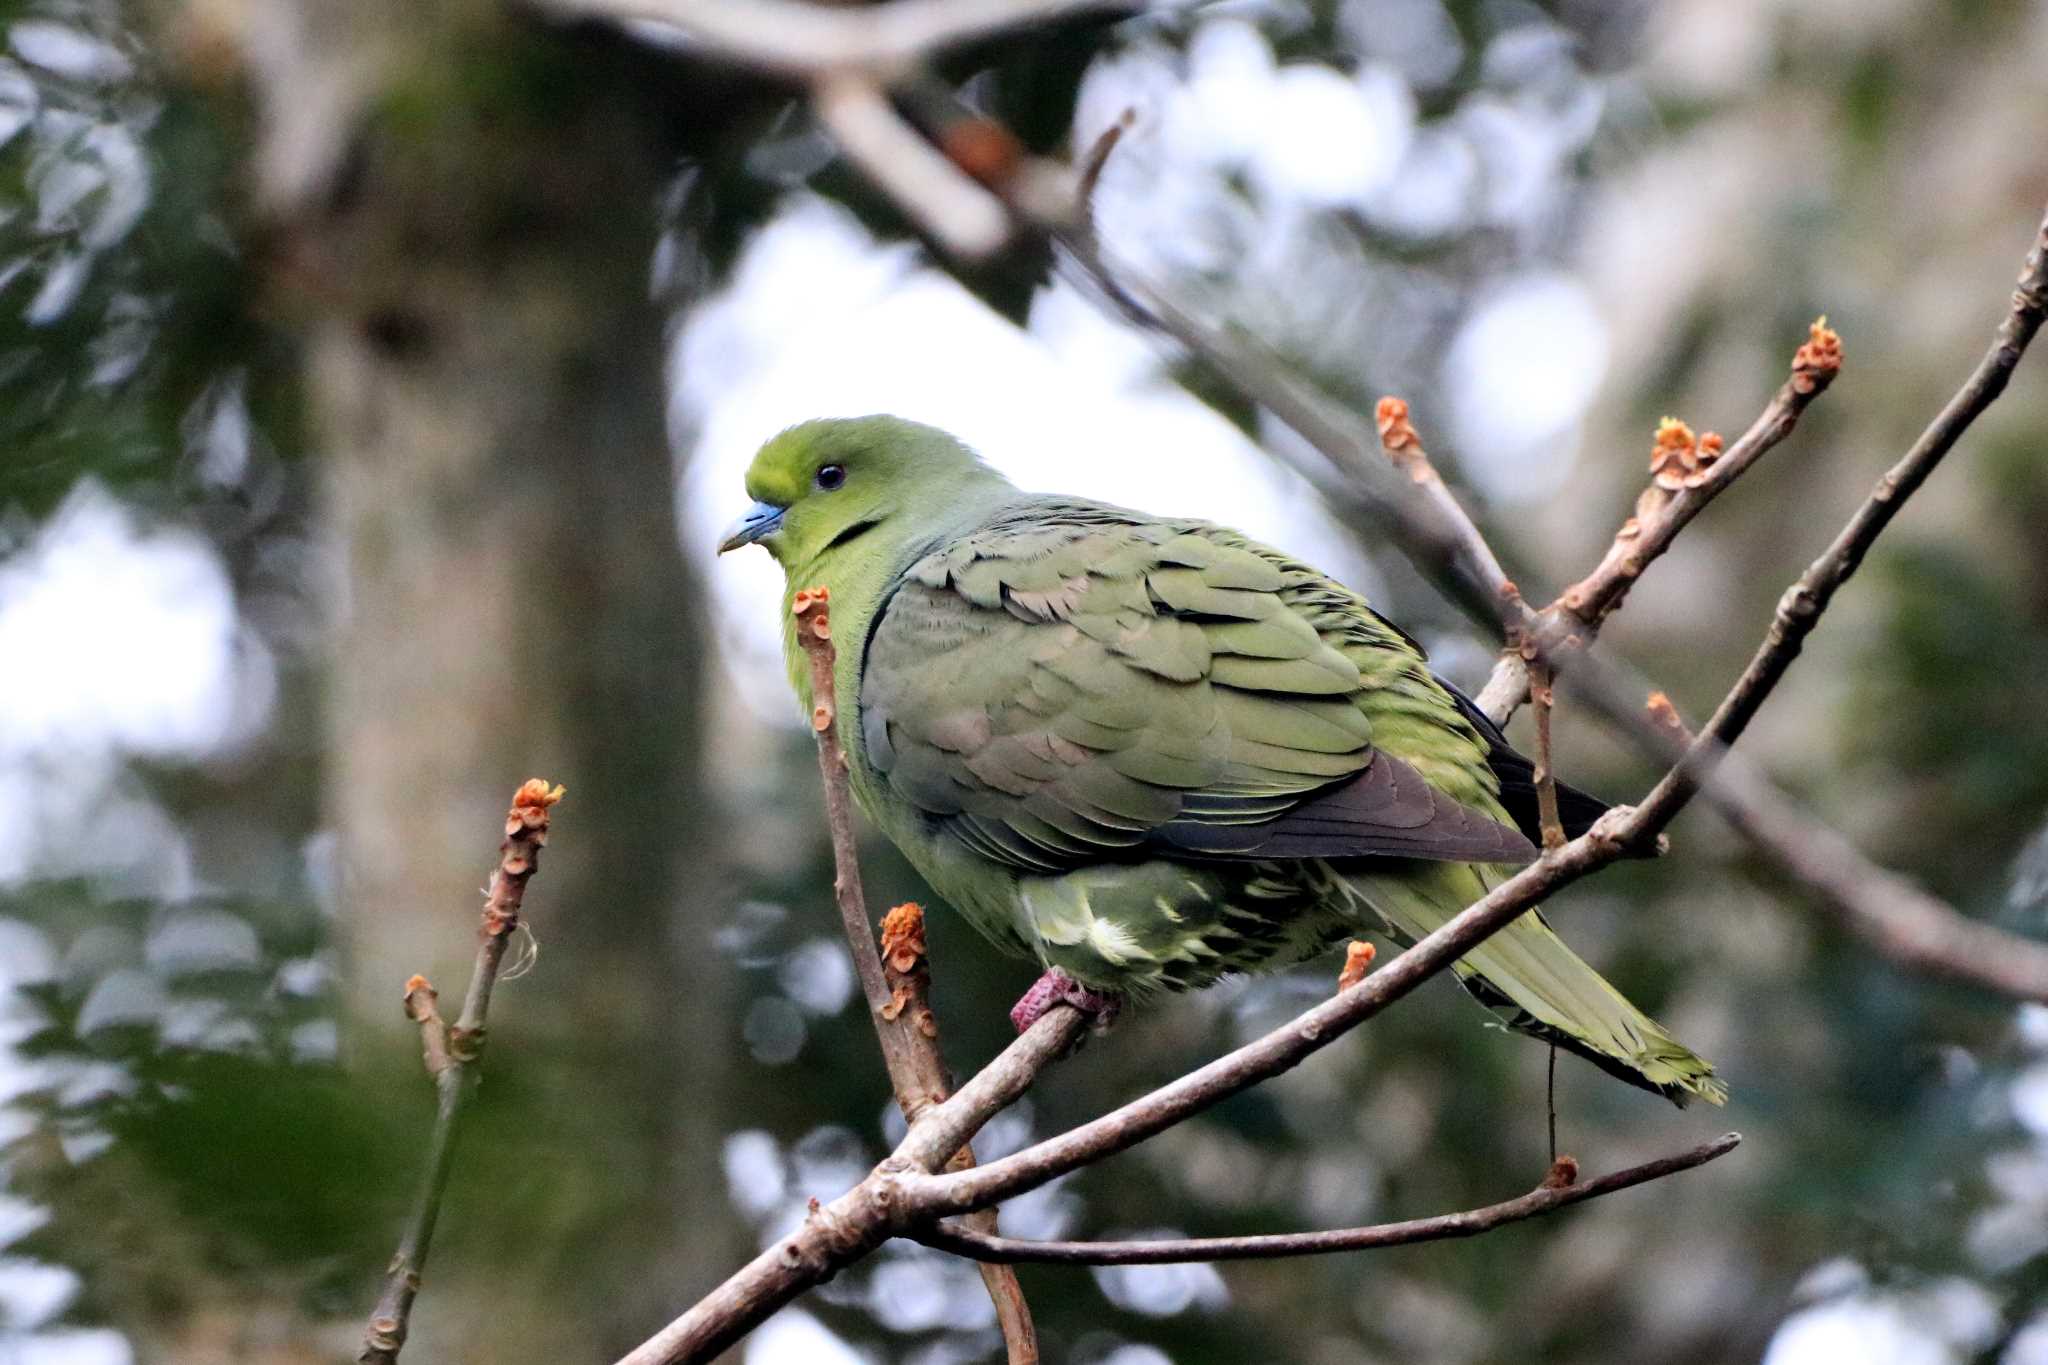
(373, 379)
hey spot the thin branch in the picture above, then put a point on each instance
(939, 197)
(451, 1054)
(903, 1192)
(1092, 166)
(896, 980)
(1799, 610)
(1404, 447)
(838, 1233)
(797, 39)
(1549, 823)
(1548, 1197)
(1680, 491)
(1284, 1047)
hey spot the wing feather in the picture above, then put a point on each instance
(1074, 683)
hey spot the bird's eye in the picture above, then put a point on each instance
(831, 476)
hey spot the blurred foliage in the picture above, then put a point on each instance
(124, 294)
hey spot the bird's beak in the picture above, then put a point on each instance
(762, 519)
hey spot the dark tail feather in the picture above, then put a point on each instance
(1576, 810)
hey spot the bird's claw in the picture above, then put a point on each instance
(1057, 988)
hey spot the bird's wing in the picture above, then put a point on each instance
(1073, 683)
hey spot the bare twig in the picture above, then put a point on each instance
(796, 39)
(1799, 610)
(896, 979)
(839, 1233)
(904, 1192)
(1687, 475)
(1092, 166)
(1403, 445)
(1548, 821)
(961, 216)
(1547, 1197)
(1284, 1047)
(451, 1054)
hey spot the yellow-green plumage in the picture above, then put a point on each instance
(1149, 751)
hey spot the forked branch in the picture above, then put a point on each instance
(452, 1054)
(1559, 1189)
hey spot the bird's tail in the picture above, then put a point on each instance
(1537, 985)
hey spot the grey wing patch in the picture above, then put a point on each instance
(1388, 810)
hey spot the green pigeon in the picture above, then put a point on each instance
(1148, 751)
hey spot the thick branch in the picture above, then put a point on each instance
(1285, 1047)
(898, 1003)
(1550, 1196)
(799, 39)
(1404, 447)
(451, 1053)
(841, 1232)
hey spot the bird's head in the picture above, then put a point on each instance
(825, 483)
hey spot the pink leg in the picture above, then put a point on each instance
(1057, 988)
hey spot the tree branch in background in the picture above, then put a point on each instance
(1557, 1191)
(1404, 447)
(905, 1194)
(451, 1054)
(896, 980)
(798, 39)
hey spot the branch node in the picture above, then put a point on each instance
(987, 151)
(420, 996)
(1562, 1175)
(1666, 717)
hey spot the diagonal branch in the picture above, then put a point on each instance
(895, 989)
(1285, 1047)
(1556, 1192)
(1668, 507)
(451, 1055)
(794, 38)
(1799, 610)
(904, 1192)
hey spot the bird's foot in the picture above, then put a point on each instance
(1057, 988)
